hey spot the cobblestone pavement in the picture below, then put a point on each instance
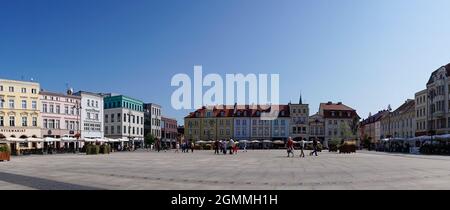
(254, 170)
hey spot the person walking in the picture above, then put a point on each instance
(177, 147)
(216, 147)
(290, 147)
(192, 146)
(235, 148)
(302, 147)
(230, 146)
(224, 147)
(314, 147)
(245, 146)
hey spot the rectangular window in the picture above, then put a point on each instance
(124, 129)
(24, 122)
(112, 120)
(11, 103)
(45, 122)
(57, 124)
(106, 129)
(118, 118)
(51, 124)
(112, 129)
(52, 110)
(12, 121)
(1, 103)
(24, 90)
(58, 109)
(34, 105)
(24, 104)
(67, 124)
(34, 119)
(11, 89)
(2, 121)
(33, 91)
(106, 118)
(1, 87)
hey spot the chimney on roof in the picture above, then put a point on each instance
(329, 103)
(339, 103)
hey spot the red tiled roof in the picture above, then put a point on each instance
(252, 111)
(336, 107)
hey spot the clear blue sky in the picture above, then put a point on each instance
(365, 53)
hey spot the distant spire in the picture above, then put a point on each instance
(300, 101)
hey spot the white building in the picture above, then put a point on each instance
(91, 115)
(124, 118)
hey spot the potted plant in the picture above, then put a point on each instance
(5, 152)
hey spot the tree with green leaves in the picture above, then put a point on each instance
(354, 126)
(346, 132)
(150, 139)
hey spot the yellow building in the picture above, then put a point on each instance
(19, 110)
(192, 128)
(209, 124)
(225, 124)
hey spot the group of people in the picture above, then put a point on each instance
(185, 147)
(222, 146)
(291, 148)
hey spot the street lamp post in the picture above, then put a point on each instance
(129, 129)
(78, 108)
(431, 96)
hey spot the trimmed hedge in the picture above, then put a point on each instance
(105, 149)
(5, 148)
(92, 149)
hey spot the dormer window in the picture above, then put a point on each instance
(222, 114)
(239, 113)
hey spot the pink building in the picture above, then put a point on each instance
(60, 114)
(169, 128)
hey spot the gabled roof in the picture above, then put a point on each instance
(336, 107)
(405, 107)
(375, 118)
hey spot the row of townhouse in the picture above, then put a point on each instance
(427, 114)
(27, 111)
(247, 122)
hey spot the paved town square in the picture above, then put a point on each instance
(254, 170)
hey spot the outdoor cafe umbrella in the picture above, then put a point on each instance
(278, 142)
(50, 139)
(14, 139)
(267, 141)
(31, 139)
(89, 140)
(124, 140)
(256, 141)
(68, 139)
